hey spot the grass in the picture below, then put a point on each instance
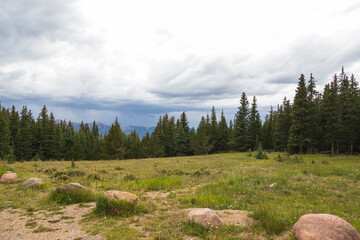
(109, 207)
(310, 184)
(41, 229)
(70, 197)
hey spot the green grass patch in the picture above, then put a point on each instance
(70, 197)
(160, 183)
(109, 207)
(41, 229)
(31, 224)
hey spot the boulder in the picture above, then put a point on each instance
(32, 183)
(324, 227)
(121, 196)
(8, 177)
(205, 217)
(74, 187)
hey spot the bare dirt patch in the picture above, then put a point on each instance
(44, 225)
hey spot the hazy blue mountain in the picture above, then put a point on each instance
(104, 128)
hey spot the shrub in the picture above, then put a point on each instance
(109, 207)
(94, 177)
(260, 154)
(70, 197)
(10, 157)
(249, 154)
(129, 177)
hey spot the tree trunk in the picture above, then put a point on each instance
(332, 147)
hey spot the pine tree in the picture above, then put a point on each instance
(254, 126)
(282, 126)
(223, 136)
(242, 124)
(267, 130)
(200, 143)
(4, 133)
(313, 127)
(114, 142)
(330, 105)
(213, 130)
(24, 149)
(300, 118)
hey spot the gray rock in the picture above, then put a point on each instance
(32, 183)
(205, 217)
(76, 187)
(324, 227)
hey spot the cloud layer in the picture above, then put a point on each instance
(136, 60)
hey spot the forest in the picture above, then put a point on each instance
(327, 122)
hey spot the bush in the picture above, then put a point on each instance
(260, 154)
(129, 177)
(287, 158)
(70, 197)
(109, 207)
(10, 157)
(249, 154)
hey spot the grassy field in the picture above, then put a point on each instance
(320, 184)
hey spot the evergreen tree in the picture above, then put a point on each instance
(330, 114)
(254, 126)
(213, 131)
(242, 124)
(200, 143)
(4, 133)
(223, 136)
(267, 130)
(114, 142)
(282, 126)
(25, 136)
(313, 127)
(300, 118)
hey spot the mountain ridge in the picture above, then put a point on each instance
(104, 128)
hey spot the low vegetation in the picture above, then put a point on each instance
(276, 191)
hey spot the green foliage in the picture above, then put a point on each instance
(288, 158)
(129, 177)
(73, 164)
(269, 220)
(70, 197)
(109, 207)
(260, 154)
(10, 157)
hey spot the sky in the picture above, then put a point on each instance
(138, 59)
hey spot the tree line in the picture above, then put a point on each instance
(314, 123)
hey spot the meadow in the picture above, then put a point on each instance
(275, 193)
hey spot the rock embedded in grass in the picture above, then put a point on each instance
(324, 226)
(76, 187)
(121, 196)
(8, 177)
(32, 183)
(205, 217)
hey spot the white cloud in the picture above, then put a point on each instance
(170, 56)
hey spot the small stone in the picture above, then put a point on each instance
(205, 217)
(121, 196)
(32, 183)
(322, 227)
(8, 177)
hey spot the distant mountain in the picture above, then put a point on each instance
(104, 128)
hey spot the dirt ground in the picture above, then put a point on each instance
(64, 224)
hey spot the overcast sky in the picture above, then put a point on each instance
(94, 60)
